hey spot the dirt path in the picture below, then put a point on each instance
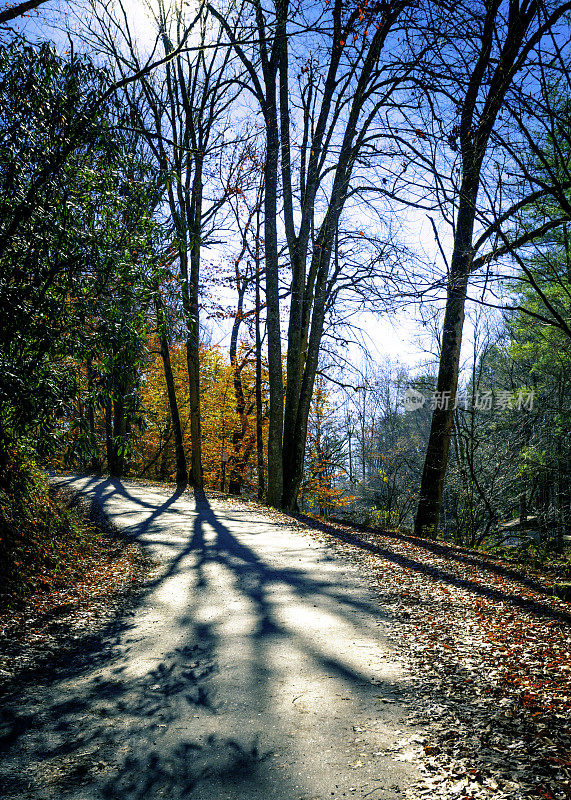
(256, 665)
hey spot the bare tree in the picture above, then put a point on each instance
(245, 193)
(20, 9)
(182, 112)
(322, 129)
(488, 57)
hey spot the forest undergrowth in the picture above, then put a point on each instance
(65, 573)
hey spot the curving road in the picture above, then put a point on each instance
(255, 665)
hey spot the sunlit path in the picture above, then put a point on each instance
(255, 666)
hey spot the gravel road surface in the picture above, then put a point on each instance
(255, 664)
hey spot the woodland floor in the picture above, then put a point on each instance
(495, 648)
(481, 709)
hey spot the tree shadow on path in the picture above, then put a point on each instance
(534, 607)
(95, 731)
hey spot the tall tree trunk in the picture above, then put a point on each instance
(238, 462)
(259, 415)
(297, 438)
(436, 460)
(193, 341)
(476, 125)
(193, 366)
(286, 441)
(310, 293)
(190, 305)
(275, 432)
(181, 474)
(310, 346)
(185, 201)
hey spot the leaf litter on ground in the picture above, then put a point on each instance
(490, 643)
(493, 647)
(43, 628)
